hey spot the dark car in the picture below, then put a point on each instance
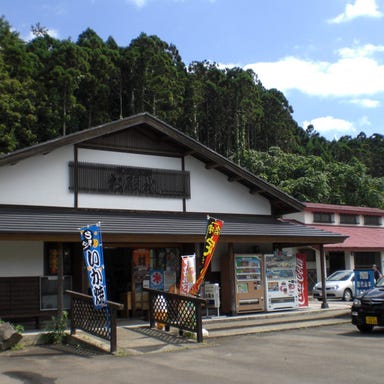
(368, 309)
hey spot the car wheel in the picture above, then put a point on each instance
(365, 328)
(347, 295)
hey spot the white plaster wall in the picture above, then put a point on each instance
(39, 180)
(21, 258)
(212, 192)
(44, 180)
(89, 200)
(349, 260)
(302, 217)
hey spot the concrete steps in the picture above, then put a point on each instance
(247, 324)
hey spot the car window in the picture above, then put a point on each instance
(339, 276)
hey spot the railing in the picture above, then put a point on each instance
(98, 322)
(173, 310)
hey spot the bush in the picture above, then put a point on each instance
(55, 329)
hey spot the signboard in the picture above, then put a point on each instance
(364, 281)
(212, 294)
(156, 279)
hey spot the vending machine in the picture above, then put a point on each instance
(281, 281)
(249, 283)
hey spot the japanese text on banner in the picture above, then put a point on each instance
(188, 273)
(94, 262)
(211, 238)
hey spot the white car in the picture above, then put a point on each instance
(338, 285)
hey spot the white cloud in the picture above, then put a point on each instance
(142, 3)
(366, 103)
(138, 3)
(367, 50)
(364, 122)
(355, 73)
(330, 126)
(360, 8)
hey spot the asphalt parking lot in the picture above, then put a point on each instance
(338, 354)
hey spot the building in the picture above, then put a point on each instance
(363, 227)
(151, 188)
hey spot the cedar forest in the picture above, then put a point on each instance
(51, 87)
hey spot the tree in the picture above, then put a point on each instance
(17, 112)
(97, 90)
(155, 78)
(310, 178)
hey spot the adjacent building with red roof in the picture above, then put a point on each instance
(364, 245)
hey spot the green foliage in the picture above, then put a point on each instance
(55, 331)
(310, 178)
(51, 87)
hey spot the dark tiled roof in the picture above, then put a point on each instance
(45, 221)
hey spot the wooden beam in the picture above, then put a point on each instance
(211, 165)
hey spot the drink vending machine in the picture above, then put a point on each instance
(281, 281)
(249, 282)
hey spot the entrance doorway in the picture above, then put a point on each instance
(117, 272)
(129, 270)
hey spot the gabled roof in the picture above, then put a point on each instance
(347, 209)
(182, 144)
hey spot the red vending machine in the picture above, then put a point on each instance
(302, 280)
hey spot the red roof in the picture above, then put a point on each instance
(359, 238)
(317, 207)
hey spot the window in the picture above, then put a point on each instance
(349, 219)
(372, 220)
(51, 259)
(323, 217)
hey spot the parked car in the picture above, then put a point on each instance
(368, 309)
(338, 285)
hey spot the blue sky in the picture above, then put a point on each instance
(326, 56)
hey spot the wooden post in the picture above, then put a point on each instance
(113, 315)
(60, 280)
(199, 319)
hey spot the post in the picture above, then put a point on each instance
(113, 315)
(199, 331)
(60, 280)
(324, 304)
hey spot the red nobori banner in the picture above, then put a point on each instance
(188, 273)
(211, 238)
(302, 282)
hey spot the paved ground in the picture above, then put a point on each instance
(135, 337)
(330, 354)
